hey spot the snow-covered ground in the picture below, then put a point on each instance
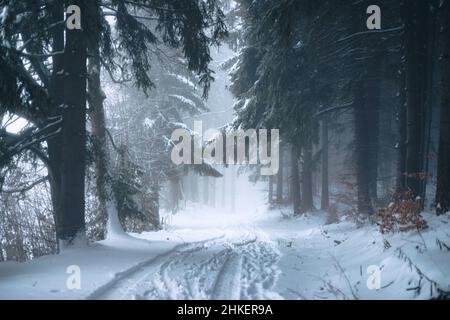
(211, 254)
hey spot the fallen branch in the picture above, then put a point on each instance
(433, 284)
(341, 269)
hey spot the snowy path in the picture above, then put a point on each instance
(241, 265)
(250, 255)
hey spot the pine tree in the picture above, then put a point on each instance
(38, 95)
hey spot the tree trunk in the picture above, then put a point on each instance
(174, 196)
(288, 172)
(401, 164)
(206, 190)
(212, 198)
(325, 196)
(428, 113)
(155, 189)
(443, 174)
(74, 135)
(224, 190)
(270, 189)
(416, 84)
(372, 100)
(295, 180)
(187, 191)
(361, 149)
(194, 188)
(280, 179)
(98, 123)
(233, 189)
(56, 89)
(307, 196)
(107, 216)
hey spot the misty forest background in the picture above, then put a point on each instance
(364, 116)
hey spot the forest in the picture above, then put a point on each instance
(347, 103)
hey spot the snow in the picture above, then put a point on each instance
(246, 103)
(183, 80)
(183, 99)
(299, 45)
(331, 262)
(4, 14)
(149, 123)
(114, 228)
(45, 278)
(235, 67)
(207, 253)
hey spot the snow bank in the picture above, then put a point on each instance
(99, 264)
(336, 261)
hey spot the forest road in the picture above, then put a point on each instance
(238, 265)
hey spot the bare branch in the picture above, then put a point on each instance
(26, 187)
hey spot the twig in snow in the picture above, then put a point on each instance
(341, 269)
(433, 284)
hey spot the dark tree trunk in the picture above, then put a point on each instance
(155, 189)
(289, 176)
(307, 203)
(372, 100)
(98, 123)
(56, 92)
(96, 98)
(401, 162)
(416, 30)
(175, 194)
(173, 199)
(428, 119)
(295, 180)
(74, 135)
(362, 142)
(443, 174)
(325, 196)
(362, 121)
(280, 179)
(105, 195)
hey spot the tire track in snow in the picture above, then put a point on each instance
(260, 271)
(123, 281)
(196, 275)
(227, 284)
(242, 267)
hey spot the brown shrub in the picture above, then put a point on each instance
(402, 214)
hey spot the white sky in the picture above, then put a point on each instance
(15, 124)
